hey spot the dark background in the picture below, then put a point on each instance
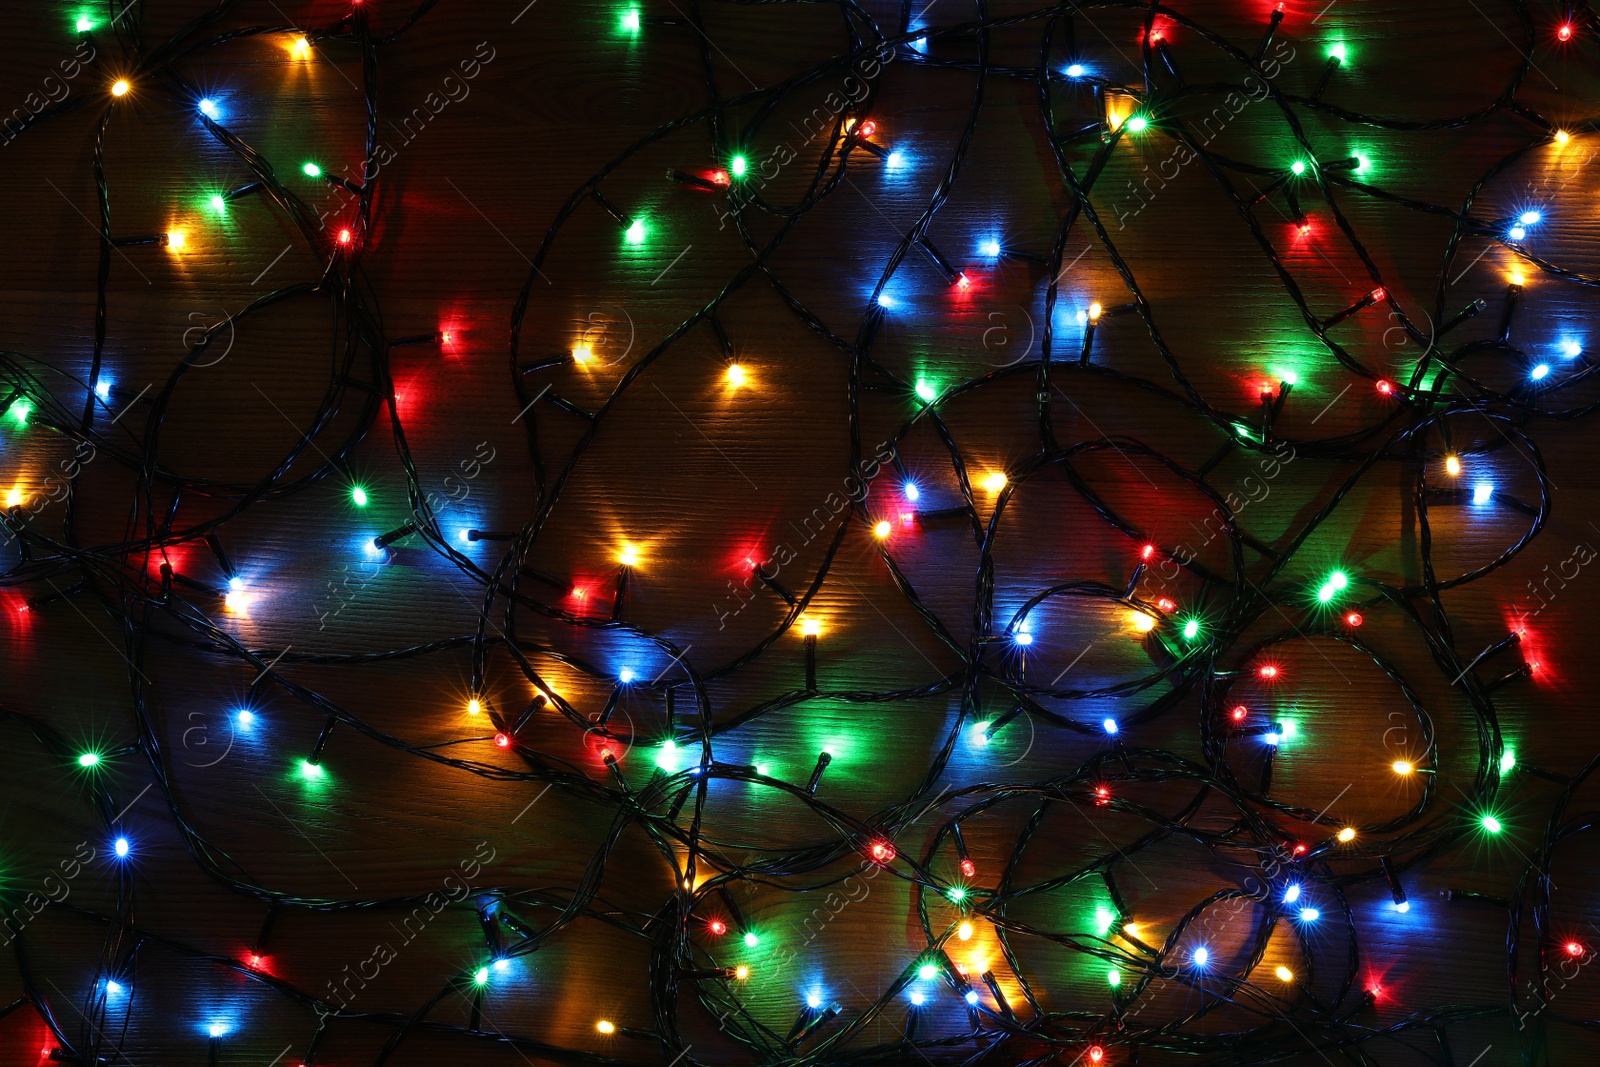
(699, 477)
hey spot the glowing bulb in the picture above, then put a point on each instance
(1347, 835)
(310, 770)
(635, 232)
(606, 1026)
(1403, 767)
(1530, 218)
(625, 675)
(1075, 70)
(990, 248)
(918, 997)
(1517, 233)
(121, 847)
(1095, 311)
(1298, 167)
(972, 996)
(736, 375)
(994, 482)
(1573, 948)
(1201, 956)
(911, 491)
(218, 1029)
(980, 733)
(964, 932)
(1109, 726)
(1517, 278)
(175, 238)
(631, 20)
(1131, 929)
(1309, 915)
(751, 940)
(84, 26)
(629, 555)
(120, 87)
(1402, 906)
(301, 47)
(13, 498)
(1562, 137)
(219, 205)
(926, 392)
(1565, 32)
(1508, 759)
(737, 166)
(1284, 974)
(741, 972)
(1572, 350)
(474, 706)
(1482, 492)
(810, 627)
(358, 496)
(1142, 622)
(1113, 978)
(113, 988)
(1337, 52)
(1452, 465)
(311, 170)
(89, 759)
(1492, 824)
(482, 976)
(895, 160)
(1539, 371)
(582, 353)
(1137, 124)
(247, 720)
(1191, 629)
(1292, 893)
(813, 1001)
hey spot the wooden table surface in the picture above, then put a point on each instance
(492, 116)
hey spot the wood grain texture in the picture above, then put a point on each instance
(699, 477)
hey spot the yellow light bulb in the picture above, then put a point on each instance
(994, 482)
(741, 972)
(1141, 621)
(1094, 312)
(474, 706)
(1348, 834)
(1403, 767)
(629, 555)
(175, 238)
(1131, 929)
(120, 87)
(736, 375)
(1562, 137)
(810, 627)
(302, 47)
(881, 530)
(964, 931)
(582, 353)
(234, 601)
(1285, 974)
(13, 498)
(606, 1026)
(1452, 465)
(1517, 278)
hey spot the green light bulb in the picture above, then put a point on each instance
(737, 166)
(358, 496)
(88, 759)
(926, 391)
(1492, 824)
(1137, 124)
(312, 170)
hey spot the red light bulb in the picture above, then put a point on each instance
(1268, 672)
(502, 740)
(1096, 1054)
(1353, 619)
(1167, 604)
(1305, 229)
(717, 927)
(1239, 713)
(882, 852)
(1385, 386)
(1149, 550)
(345, 237)
(1574, 948)
(1102, 795)
(962, 281)
(969, 868)
(1299, 850)
(869, 128)
(1378, 294)
(1565, 32)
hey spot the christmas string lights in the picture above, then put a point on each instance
(1221, 638)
